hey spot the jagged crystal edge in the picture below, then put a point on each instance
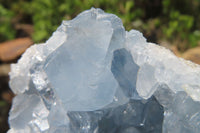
(164, 66)
(160, 73)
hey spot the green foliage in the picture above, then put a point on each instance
(194, 38)
(2, 103)
(6, 29)
(48, 14)
(176, 19)
(182, 21)
(179, 24)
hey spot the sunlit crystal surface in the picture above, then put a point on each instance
(92, 76)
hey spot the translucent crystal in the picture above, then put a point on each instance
(92, 76)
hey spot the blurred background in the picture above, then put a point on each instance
(174, 24)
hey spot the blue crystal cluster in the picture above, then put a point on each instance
(92, 76)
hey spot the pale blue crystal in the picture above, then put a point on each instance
(92, 76)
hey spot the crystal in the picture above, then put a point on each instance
(92, 76)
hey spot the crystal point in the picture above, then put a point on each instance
(92, 76)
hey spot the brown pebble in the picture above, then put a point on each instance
(193, 55)
(10, 50)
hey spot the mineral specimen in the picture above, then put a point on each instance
(92, 76)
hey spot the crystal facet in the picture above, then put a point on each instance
(92, 76)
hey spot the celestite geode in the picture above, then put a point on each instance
(92, 76)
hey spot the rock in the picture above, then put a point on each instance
(10, 50)
(193, 55)
(93, 76)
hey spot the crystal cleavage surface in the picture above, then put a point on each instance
(92, 76)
